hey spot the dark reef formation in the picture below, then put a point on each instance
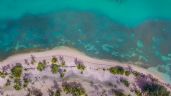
(94, 34)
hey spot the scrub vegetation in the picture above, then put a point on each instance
(117, 70)
(17, 71)
(54, 68)
(73, 88)
(41, 66)
(54, 60)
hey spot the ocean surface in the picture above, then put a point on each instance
(137, 31)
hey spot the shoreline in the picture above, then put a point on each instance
(97, 70)
(73, 53)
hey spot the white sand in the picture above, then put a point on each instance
(69, 55)
(72, 53)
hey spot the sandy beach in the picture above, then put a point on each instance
(70, 54)
(73, 53)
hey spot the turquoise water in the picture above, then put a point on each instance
(128, 12)
(123, 30)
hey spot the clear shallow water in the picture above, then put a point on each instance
(124, 30)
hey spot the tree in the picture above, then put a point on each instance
(79, 65)
(73, 88)
(17, 71)
(2, 74)
(41, 66)
(54, 60)
(117, 70)
(125, 82)
(17, 84)
(127, 73)
(138, 93)
(62, 61)
(54, 68)
(26, 80)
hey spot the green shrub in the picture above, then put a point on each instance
(116, 70)
(127, 73)
(54, 60)
(2, 74)
(81, 67)
(125, 82)
(54, 68)
(26, 82)
(17, 84)
(136, 74)
(73, 88)
(41, 66)
(17, 87)
(65, 70)
(63, 63)
(57, 93)
(17, 71)
(62, 75)
(138, 93)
